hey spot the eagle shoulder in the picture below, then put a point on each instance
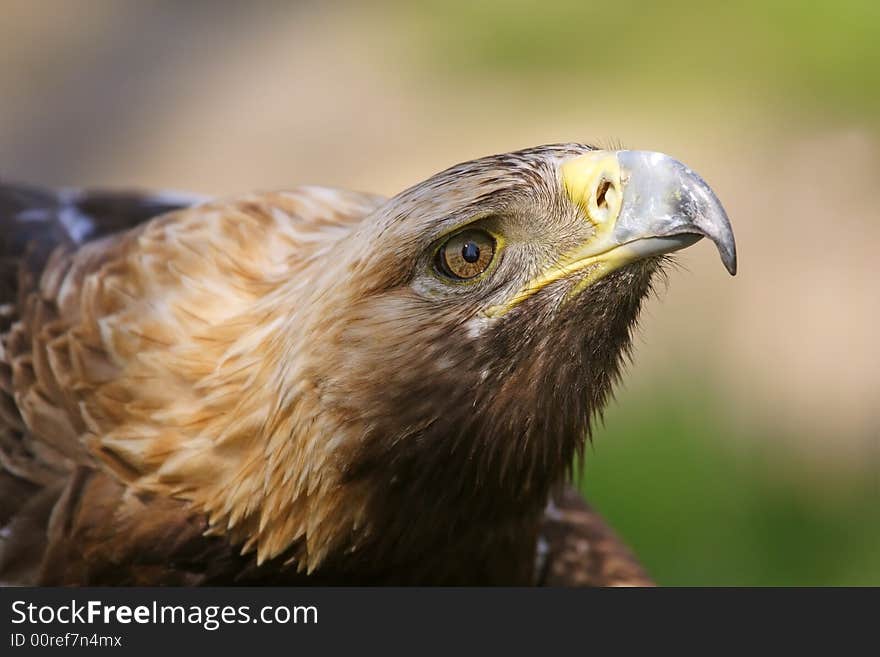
(112, 349)
(578, 548)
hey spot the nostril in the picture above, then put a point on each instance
(601, 192)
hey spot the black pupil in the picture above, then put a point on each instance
(470, 252)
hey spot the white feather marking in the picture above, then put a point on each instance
(542, 550)
(77, 224)
(475, 326)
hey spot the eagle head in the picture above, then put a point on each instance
(465, 333)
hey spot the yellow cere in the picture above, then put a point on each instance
(584, 177)
(592, 182)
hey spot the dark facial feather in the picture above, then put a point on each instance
(476, 430)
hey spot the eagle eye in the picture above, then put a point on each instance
(465, 255)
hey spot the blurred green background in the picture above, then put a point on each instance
(744, 446)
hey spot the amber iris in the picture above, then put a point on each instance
(466, 255)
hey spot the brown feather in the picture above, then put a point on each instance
(266, 389)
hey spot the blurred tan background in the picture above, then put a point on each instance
(745, 445)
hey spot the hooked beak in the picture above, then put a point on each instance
(641, 204)
(666, 206)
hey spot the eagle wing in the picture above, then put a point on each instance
(34, 223)
(92, 285)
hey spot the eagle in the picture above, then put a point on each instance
(321, 386)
